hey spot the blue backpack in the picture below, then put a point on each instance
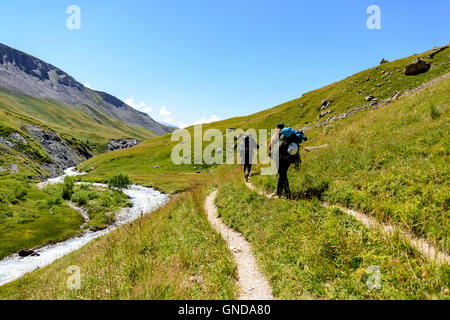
(291, 134)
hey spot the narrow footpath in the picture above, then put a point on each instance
(252, 283)
(430, 251)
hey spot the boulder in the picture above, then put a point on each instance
(26, 252)
(14, 168)
(383, 61)
(417, 67)
(369, 98)
(325, 104)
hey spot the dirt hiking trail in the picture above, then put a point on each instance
(430, 251)
(252, 284)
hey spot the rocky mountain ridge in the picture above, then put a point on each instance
(25, 74)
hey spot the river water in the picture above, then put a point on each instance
(144, 200)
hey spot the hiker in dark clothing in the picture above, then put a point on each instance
(283, 182)
(289, 153)
(246, 150)
(282, 165)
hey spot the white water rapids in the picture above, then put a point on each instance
(144, 201)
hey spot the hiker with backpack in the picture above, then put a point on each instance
(246, 149)
(289, 153)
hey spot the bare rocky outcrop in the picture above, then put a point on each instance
(62, 154)
(118, 144)
(13, 140)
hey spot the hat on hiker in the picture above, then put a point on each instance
(280, 125)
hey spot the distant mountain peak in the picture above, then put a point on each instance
(25, 74)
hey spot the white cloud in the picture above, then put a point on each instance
(164, 112)
(87, 85)
(182, 125)
(147, 110)
(141, 106)
(166, 116)
(213, 118)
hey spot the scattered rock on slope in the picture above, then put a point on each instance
(118, 144)
(14, 168)
(323, 114)
(325, 104)
(417, 67)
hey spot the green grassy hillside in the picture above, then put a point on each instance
(141, 160)
(390, 161)
(88, 125)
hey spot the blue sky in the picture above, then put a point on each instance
(185, 61)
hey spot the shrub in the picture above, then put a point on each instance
(67, 192)
(434, 112)
(4, 198)
(54, 201)
(5, 210)
(105, 200)
(20, 193)
(80, 197)
(119, 181)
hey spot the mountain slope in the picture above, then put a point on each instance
(345, 98)
(347, 104)
(26, 75)
(305, 250)
(93, 127)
